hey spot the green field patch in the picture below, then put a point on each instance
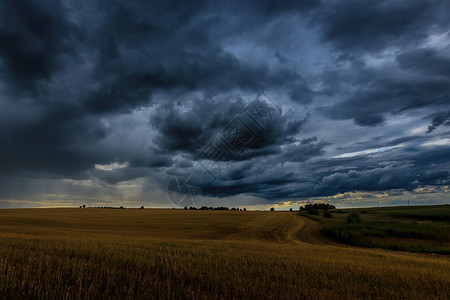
(416, 229)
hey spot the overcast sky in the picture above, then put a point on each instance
(111, 103)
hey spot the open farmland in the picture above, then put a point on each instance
(423, 229)
(133, 253)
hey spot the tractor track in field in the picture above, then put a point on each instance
(282, 228)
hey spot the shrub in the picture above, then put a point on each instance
(346, 235)
(353, 217)
(272, 209)
(327, 214)
(340, 235)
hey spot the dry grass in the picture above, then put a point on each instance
(100, 253)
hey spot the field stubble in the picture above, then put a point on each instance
(101, 253)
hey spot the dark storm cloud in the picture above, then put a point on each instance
(143, 49)
(302, 152)
(300, 92)
(34, 37)
(382, 96)
(309, 140)
(438, 120)
(426, 61)
(188, 131)
(119, 175)
(280, 57)
(374, 25)
(266, 175)
(369, 120)
(116, 91)
(362, 28)
(131, 51)
(50, 142)
(328, 178)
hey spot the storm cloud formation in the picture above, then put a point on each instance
(106, 100)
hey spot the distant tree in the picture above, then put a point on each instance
(206, 208)
(245, 209)
(290, 209)
(81, 206)
(84, 205)
(121, 207)
(142, 207)
(317, 206)
(220, 208)
(272, 209)
(312, 210)
(185, 207)
(353, 217)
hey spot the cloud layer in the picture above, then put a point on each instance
(108, 100)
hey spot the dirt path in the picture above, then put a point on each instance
(271, 226)
(282, 227)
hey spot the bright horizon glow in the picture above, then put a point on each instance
(111, 167)
(366, 152)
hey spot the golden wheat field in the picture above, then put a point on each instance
(177, 254)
